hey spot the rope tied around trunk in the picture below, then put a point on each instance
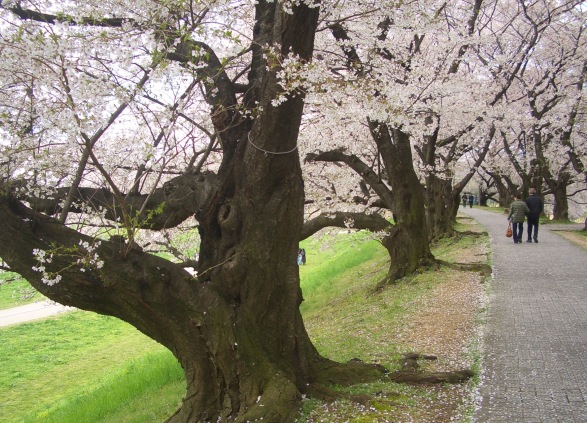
(270, 152)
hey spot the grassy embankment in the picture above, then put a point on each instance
(15, 292)
(83, 367)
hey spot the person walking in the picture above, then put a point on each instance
(465, 198)
(536, 206)
(518, 212)
(471, 198)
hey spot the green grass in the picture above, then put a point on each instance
(499, 210)
(328, 259)
(15, 291)
(58, 359)
(82, 367)
(547, 221)
(125, 395)
(347, 319)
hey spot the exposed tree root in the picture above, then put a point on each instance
(396, 274)
(472, 233)
(360, 372)
(457, 376)
(411, 373)
(483, 268)
(353, 372)
(411, 363)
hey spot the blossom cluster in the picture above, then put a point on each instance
(82, 256)
(49, 278)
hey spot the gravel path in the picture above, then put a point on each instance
(535, 342)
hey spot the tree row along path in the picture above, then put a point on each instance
(534, 365)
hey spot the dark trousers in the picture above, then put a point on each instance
(518, 230)
(533, 223)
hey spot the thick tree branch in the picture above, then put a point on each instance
(455, 137)
(361, 168)
(575, 159)
(470, 30)
(137, 287)
(459, 186)
(166, 207)
(372, 222)
(33, 15)
(515, 163)
(353, 59)
(222, 91)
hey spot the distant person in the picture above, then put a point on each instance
(518, 211)
(536, 206)
(300, 256)
(471, 198)
(303, 256)
(465, 198)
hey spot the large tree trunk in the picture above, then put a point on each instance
(407, 243)
(259, 354)
(236, 331)
(504, 195)
(442, 207)
(484, 195)
(505, 189)
(560, 210)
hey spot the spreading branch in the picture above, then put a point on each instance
(361, 168)
(130, 285)
(33, 15)
(166, 207)
(371, 222)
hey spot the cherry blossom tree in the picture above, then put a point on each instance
(426, 90)
(544, 141)
(496, 184)
(504, 40)
(119, 118)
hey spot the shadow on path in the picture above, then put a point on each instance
(535, 341)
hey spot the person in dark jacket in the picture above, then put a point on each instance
(471, 198)
(518, 211)
(536, 206)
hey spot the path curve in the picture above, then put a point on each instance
(535, 342)
(33, 311)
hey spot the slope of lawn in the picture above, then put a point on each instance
(83, 367)
(79, 358)
(15, 291)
